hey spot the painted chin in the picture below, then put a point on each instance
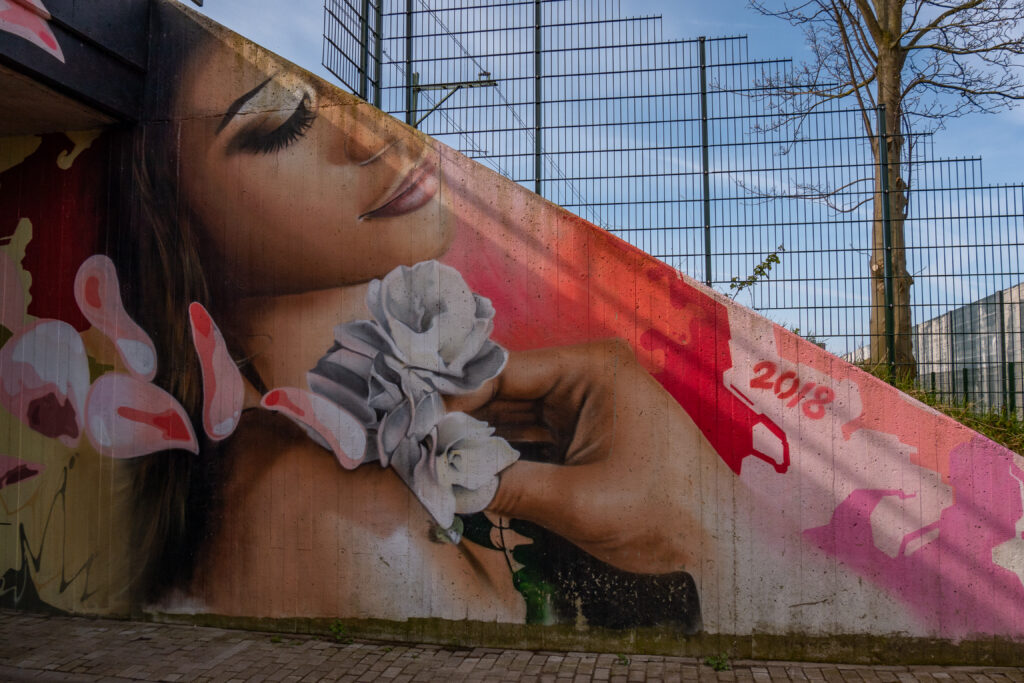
(417, 190)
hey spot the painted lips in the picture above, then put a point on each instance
(418, 188)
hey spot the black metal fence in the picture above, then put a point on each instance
(673, 145)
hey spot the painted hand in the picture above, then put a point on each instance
(628, 488)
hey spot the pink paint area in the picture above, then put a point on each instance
(329, 425)
(946, 573)
(127, 418)
(14, 470)
(12, 294)
(29, 19)
(98, 295)
(223, 388)
(44, 379)
(883, 408)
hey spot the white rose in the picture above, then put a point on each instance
(436, 327)
(455, 471)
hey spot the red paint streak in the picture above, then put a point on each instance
(44, 35)
(92, 292)
(170, 424)
(206, 346)
(695, 357)
(200, 319)
(277, 397)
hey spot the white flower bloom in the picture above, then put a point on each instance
(436, 327)
(458, 472)
(430, 335)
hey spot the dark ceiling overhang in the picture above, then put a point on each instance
(100, 81)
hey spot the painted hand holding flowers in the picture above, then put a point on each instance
(430, 336)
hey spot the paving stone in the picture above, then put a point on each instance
(82, 650)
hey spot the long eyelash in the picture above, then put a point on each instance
(282, 136)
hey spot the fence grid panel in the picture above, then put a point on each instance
(673, 144)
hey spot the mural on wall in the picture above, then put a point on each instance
(29, 19)
(301, 360)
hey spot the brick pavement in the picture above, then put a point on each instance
(41, 648)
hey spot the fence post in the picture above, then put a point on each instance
(883, 170)
(538, 94)
(1002, 353)
(1013, 390)
(364, 55)
(701, 42)
(378, 49)
(410, 85)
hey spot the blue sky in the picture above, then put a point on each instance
(294, 31)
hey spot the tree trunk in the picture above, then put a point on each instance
(889, 68)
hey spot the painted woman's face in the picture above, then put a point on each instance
(299, 186)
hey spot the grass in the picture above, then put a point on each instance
(1000, 427)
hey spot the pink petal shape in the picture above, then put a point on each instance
(44, 379)
(28, 19)
(126, 418)
(223, 389)
(14, 470)
(340, 432)
(12, 294)
(36, 7)
(99, 297)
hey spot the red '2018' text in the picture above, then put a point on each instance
(787, 385)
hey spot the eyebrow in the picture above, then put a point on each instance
(239, 103)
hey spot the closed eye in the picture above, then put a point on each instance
(256, 140)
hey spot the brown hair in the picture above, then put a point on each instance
(157, 253)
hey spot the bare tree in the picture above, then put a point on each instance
(924, 61)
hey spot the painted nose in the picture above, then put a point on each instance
(370, 133)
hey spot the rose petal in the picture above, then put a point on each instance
(99, 298)
(223, 388)
(469, 456)
(127, 417)
(393, 430)
(487, 365)
(475, 341)
(364, 337)
(385, 385)
(469, 501)
(352, 400)
(429, 411)
(435, 496)
(336, 429)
